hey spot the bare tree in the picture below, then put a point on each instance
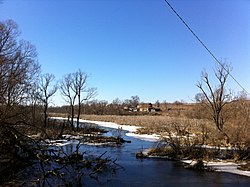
(46, 91)
(135, 100)
(200, 97)
(69, 96)
(74, 88)
(18, 73)
(215, 98)
(18, 69)
(33, 103)
(82, 91)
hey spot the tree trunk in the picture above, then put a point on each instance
(72, 117)
(45, 116)
(79, 112)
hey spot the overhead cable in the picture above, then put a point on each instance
(207, 49)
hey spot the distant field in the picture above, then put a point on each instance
(154, 124)
(185, 119)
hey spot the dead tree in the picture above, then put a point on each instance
(46, 91)
(216, 97)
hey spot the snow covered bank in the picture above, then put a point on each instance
(229, 167)
(131, 129)
(61, 143)
(112, 125)
(146, 137)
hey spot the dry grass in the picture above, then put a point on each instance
(188, 119)
(158, 124)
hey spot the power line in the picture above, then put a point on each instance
(208, 50)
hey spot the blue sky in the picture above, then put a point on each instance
(136, 47)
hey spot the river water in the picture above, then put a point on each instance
(154, 172)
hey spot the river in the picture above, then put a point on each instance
(152, 171)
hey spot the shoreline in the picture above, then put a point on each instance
(220, 166)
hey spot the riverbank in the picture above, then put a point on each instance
(220, 166)
(130, 128)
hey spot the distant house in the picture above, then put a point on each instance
(130, 109)
(126, 108)
(145, 107)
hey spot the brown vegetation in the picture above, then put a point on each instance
(191, 118)
(193, 122)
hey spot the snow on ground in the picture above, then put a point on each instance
(229, 167)
(129, 128)
(61, 143)
(220, 166)
(146, 137)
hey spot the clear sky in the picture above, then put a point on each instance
(136, 47)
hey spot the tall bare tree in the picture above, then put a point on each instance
(46, 91)
(216, 97)
(82, 91)
(74, 89)
(66, 88)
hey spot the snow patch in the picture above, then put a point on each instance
(229, 167)
(146, 137)
(129, 128)
(61, 143)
